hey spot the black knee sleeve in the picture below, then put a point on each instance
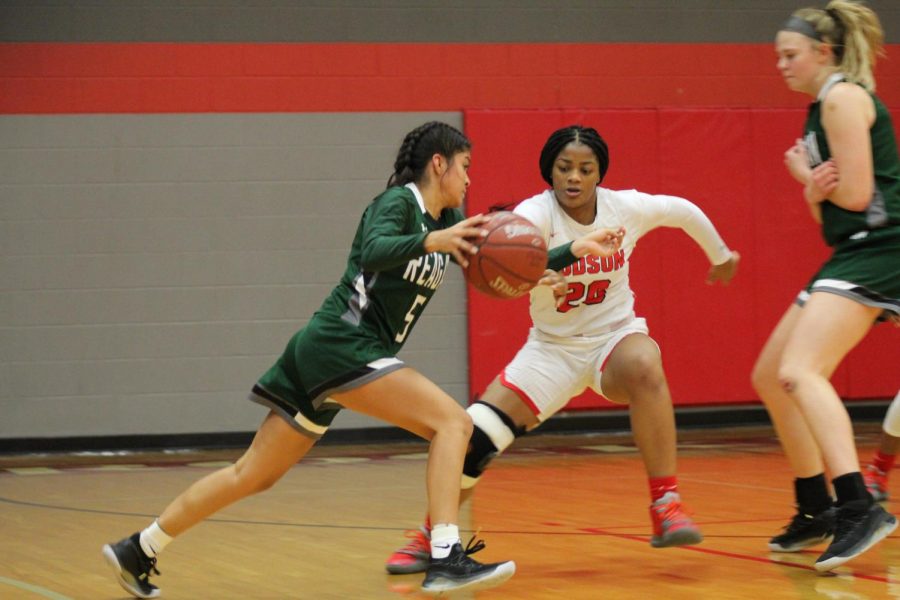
(494, 431)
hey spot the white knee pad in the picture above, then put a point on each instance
(892, 418)
(492, 435)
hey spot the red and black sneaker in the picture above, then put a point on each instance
(876, 483)
(413, 557)
(671, 524)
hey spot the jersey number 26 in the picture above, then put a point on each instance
(579, 293)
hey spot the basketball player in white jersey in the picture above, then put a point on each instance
(878, 471)
(589, 337)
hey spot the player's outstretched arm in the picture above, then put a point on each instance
(602, 243)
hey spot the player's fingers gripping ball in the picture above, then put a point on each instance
(511, 259)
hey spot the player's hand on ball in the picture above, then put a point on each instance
(602, 243)
(725, 272)
(455, 240)
(557, 283)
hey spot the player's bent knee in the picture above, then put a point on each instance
(460, 424)
(494, 431)
(761, 379)
(788, 375)
(620, 400)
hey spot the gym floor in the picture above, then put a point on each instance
(571, 510)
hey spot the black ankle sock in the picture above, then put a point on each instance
(812, 494)
(850, 487)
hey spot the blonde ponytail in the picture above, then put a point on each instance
(854, 32)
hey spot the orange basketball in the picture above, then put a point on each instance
(510, 259)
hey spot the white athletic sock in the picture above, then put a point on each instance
(443, 536)
(154, 539)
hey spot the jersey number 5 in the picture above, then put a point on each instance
(410, 317)
(579, 293)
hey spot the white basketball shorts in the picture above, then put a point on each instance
(548, 370)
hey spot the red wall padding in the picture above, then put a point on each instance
(727, 161)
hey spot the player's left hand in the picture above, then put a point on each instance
(823, 180)
(725, 272)
(797, 162)
(600, 242)
(557, 283)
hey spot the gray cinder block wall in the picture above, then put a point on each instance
(155, 265)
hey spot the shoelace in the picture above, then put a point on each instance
(417, 542)
(873, 474)
(671, 511)
(148, 565)
(462, 559)
(472, 548)
(875, 470)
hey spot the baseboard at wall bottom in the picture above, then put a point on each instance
(576, 422)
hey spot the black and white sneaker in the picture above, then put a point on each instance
(860, 525)
(132, 567)
(458, 572)
(805, 530)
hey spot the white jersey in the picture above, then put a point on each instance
(599, 296)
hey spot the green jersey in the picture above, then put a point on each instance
(839, 224)
(389, 277)
(354, 336)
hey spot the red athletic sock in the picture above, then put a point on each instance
(883, 462)
(428, 523)
(659, 486)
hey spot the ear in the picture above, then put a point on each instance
(825, 52)
(438, 164)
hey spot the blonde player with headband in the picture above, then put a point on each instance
(848, 165)
(590, 337)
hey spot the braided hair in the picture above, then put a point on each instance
(420, 145)
(577, 134)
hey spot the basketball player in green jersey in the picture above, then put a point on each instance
(848, 164)
(346, 357)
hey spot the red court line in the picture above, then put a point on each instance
(578, 531)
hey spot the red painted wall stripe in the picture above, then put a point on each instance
(38, 78)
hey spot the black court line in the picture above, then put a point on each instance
(583, 531)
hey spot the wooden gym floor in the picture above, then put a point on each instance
(571, 510)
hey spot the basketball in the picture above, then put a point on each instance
(510, 259)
